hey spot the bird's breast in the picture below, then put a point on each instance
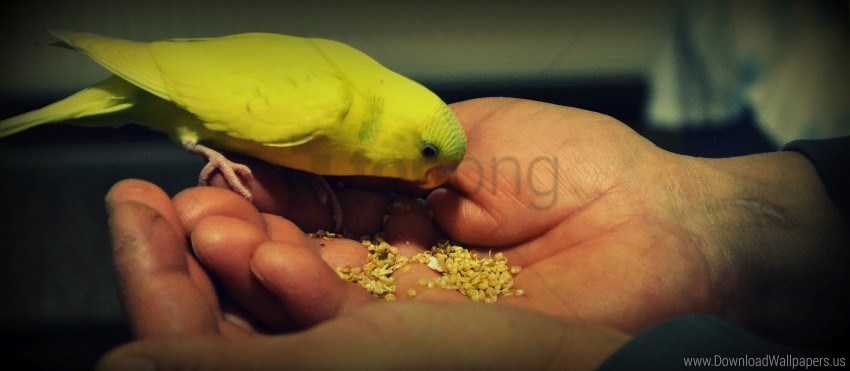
(320, 156)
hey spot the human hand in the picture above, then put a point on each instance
(668, 226)
(569, 197)
(608, 228)
(183, 323)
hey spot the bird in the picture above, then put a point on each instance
(310, 104)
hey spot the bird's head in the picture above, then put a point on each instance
(442, 147)
(418, 138)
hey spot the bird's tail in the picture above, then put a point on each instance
(106, 97)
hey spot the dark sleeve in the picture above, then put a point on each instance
(831, 158)
(704, 342)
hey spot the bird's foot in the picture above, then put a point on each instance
(328, 197)
(235, 174)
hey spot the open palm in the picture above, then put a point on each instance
(576, 198)
(612, 234)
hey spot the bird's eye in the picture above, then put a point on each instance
(429, 150)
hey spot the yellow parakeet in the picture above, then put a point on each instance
(309, 104)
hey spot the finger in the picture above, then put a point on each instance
(504, 195)
(310, 202)
(362, 201)
(362, 211)
(294, 194)
(224, 245)
(410, 229)
(466, 220)
(278, 228)
(408, 221)
(158, 293)
(308, 288)
(148, 194)
(336, 252)
(226, 251)
(468, 208)
(195, 204)
(394, 336)
(267, 185)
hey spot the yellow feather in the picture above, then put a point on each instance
(109, 96)
(129, 60)
(310, 104)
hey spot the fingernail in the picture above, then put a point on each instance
(127, 363)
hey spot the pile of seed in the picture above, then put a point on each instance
(480, 279)
(376, 274)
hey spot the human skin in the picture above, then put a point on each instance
(633, 235)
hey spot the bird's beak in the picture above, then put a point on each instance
(436, 176)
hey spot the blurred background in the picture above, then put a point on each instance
(709, 79)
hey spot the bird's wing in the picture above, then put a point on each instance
(272, 89)
(128, 59)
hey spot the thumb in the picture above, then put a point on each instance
(390, 336)
(196, 353)
(464, 219)
(205, 353)
(485, 219)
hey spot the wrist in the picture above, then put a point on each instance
(777, 244)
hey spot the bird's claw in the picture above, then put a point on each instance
(235, 174)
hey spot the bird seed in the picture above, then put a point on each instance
(480, 279)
